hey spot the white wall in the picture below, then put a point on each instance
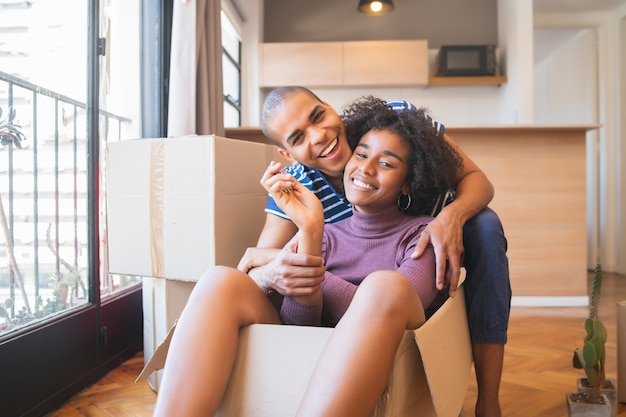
(515, 37)
(566, 91)
(451, 105)
(606, 208)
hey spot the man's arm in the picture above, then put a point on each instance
(275, 234)
(474, 191)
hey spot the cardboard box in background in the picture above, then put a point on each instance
(274, 363)
(177, 206)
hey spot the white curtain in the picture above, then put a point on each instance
(195, 86)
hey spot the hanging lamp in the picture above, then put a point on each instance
(375, 7)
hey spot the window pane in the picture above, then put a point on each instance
(43, 170)
(232, 80)
(230, 38)
(231, 72)
(119, 95)
(231, 116)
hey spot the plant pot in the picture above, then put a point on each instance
(609, 390)
(576, 407)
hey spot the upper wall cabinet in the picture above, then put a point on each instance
(311, 64)
(355, 63)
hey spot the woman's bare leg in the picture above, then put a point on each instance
(354, 367)
(204, 346)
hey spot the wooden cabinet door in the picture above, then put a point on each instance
(311, 64)
(385, 62)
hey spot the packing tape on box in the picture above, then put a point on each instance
(157, 172)
(621, 351)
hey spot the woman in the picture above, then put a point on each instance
(373, 290)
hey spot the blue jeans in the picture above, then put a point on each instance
(487, 284)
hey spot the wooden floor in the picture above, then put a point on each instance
(537, 366)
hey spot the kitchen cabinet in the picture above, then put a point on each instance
(340, 64)
(312, 64)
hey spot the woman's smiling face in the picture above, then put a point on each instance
(376, 173)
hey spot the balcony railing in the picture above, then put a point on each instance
(43, 191)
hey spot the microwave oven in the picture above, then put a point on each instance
(467, 60)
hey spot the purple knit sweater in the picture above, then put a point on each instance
(357, 246)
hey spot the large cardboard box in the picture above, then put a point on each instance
(274, 363)
(177, 206)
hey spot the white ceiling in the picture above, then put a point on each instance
(553, 6)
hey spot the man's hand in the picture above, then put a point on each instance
(445, 234)
(293, 274)
(256, 257)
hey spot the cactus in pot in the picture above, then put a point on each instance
(596, 395)
(591, 356)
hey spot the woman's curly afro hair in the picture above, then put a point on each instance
(434, 164)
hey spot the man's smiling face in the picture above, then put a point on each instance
(312, 133)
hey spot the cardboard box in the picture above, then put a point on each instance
(429, 378)
(163, 303)
(177, 206)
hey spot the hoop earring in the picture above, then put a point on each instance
(404, 206)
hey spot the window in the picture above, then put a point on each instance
(43, 179)
(231, 71)
(64, 321)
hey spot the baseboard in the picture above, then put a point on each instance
(550, 301)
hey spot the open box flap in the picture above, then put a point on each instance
(157, 361)
(447, 355)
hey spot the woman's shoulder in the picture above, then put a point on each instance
(418, 220)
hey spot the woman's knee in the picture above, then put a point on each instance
(387, 289)
(236, 294)
(224, 281)
(390, 296)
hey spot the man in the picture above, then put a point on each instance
(310, 133)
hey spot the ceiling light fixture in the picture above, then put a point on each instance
(375, 7)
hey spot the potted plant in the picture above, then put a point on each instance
(591, 398)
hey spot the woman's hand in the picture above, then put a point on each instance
(307, 212)
(297, 201)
